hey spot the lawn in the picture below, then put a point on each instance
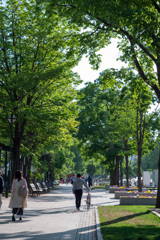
(99, 187)
(129, 223)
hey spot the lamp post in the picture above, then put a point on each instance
(11, 120)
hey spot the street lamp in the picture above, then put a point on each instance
(11, 120)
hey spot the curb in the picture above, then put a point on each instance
(98, 228)
(156, 213)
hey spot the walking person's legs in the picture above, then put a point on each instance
(78, 196)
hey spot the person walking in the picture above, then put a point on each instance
(78, 190)
(1, 188)
(17, 201)
(73, 178)
(89, 181)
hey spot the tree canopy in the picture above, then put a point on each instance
(36, 80)
(134, 23)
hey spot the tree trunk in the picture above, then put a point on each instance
(112, 176)
(126, 157)
(117, 170)
(24, 166)
(121, 172)
(6, 176)
(53, 175)
(127, 176)
(28, 167)
(102, 172)
(140, 121)
(105, 174)
(16, 139)
(158, 192)
(139, 170)
(15, 157)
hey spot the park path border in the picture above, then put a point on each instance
(98, 227)
(156, 213)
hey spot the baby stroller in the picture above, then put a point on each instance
(88, 201)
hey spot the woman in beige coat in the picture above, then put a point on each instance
(18, 203)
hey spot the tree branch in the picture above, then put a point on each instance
(5, 52)
(156, 5)
(35, 55)
(14, 44)
(1, 83)
(139, 68)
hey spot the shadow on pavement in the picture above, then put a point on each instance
(38, 235)
(51, 198)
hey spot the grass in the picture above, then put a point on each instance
(4, 194)
(99, 187)
(129, 223)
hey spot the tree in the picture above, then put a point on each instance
(140, 96)
(135, 23)
(150, 160)
(98, 130)
(36, 81)
(113, 119)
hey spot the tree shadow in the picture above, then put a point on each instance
(81, 233)
(124, 218)
(138, 232)
(53, 196)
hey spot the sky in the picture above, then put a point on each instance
(109, 56)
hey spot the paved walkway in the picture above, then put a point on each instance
(54, 216)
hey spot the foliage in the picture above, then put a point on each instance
(135, 24)
(105, 125)
(36, 80)
(150, 160)
(78, 159)
(91, 169)
(95, 118)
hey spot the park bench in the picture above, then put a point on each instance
(44, 187)
(34, 189)
(39, 188)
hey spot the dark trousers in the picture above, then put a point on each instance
(78, 196)
(89, 184)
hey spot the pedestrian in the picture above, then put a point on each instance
(89, 181)
(67, 180)
(78, 190)
(73, 178)
(17, 202)
(1, 188)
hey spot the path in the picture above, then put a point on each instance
(53, 216)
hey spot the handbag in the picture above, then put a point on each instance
(22, 192)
